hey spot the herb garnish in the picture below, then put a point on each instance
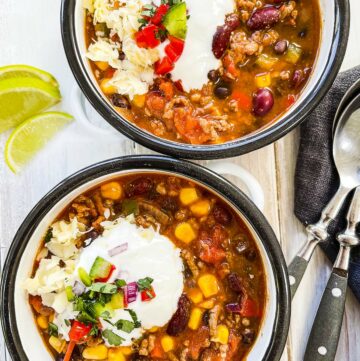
(53, 330)
(112, 338)
(49, 235)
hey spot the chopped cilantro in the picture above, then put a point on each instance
(53, 330)
(112, 338)
(125, 325)
(49, 235)
(120, 283)
(144, 284)
(133, 315)
(103, 288)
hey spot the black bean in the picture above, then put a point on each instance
(62, 264)
(250, 255)
(281, 46)
(213, 75)
(206, 317)
(222, 90)
(120, 101)
(302, 33)
(248, 336)
(122, 55)
(60, 357)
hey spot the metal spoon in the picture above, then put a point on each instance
(346, 153)
(325, 333)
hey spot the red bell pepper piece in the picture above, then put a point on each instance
(105, 279)
(244, 100)
(78, 331)
(148, 37)
(172, 53)
(177, 44)
(148, 295)
(249, 308)
(164, 66)
(159, 14)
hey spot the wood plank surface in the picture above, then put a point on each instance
(30, 34)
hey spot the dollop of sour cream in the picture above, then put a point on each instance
(149, 254)
(198, 59)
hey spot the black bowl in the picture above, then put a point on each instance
(326, 75)
(265, 237)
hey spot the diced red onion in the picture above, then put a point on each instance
(233, 307)
(130, 292)
(78, 288)
(117, 250)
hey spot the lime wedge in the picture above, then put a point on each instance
(31, 136)
(26, 71)
(20, 98)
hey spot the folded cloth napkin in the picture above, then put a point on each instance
(316, 179)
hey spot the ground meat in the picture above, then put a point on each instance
(190, 261)
(213, 319)
(83, 208)
(154, 211)
(212, 125)
(155, 104)
(157, 127)
(288, 10)
(143, 350)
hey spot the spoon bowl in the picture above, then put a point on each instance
(346, 147)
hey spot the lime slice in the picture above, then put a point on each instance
(31, 136)
(20, 98)
(26, 71)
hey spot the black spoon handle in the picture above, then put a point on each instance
(296, 269)
(325, 333)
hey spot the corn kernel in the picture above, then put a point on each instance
(139, 100)
(57, 344)
(263, 80)
(153, 329)
(195, 318)
(201, 208)
(116, 354)
(102, 65)
(195, 295)
(106, 87)
(112, 190)
(167, 343)
(188, 196)
(184, 232)
(208, 285)
(126, 350)
(42, 322)
(99, 352)
(222, 335)
(208, 304)
(51, 317)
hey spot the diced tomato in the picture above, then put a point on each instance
(164, 66)
(105, 279)
(244, 100)
(168, 89)
(172, 53)
(159, 14)
(148, 37)
(290, 100)
(178, 85)
(249, 308)
(148, 295)
(177, 44)
(78, 331)
(109, 72)
(198, 342)
(230, 66)
(157, 351)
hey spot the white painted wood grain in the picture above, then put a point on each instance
(30, 34)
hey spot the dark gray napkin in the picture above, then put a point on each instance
(316, 179)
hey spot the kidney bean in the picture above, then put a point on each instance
(139, 187)
(263, 101)
(222, 215)
(221, 38)
(120, 101)
(180, 318)
(281, 46)
(264, 18)
(298, 78)
(235, 283)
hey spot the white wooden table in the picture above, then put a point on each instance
(30, 34)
